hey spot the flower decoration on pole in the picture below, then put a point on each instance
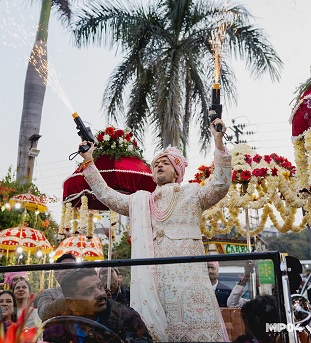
(264, 183)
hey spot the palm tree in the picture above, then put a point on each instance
(34, 91)
(169, 60)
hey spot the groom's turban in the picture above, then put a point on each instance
(176, 158)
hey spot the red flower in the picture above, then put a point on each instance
(205, 172)
(260, 172)
(234, 175)
(119, 133)
(279, 159)
(127, 137)
(274, 171)
(114, 136)
(274, 156)
(286, 164)
(109, 130)
(197, 176)
(245, 175)
(248, 159)
(100, 137)
(134, 142)
(267, 158)
(257, 158)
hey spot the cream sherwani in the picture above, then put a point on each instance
(176, 301)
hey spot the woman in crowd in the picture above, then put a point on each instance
(22, 292)
(8, 309)
(11, 278)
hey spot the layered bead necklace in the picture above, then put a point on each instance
(162, 215)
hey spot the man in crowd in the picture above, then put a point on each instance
(86, 297)
(235, 298)
(222, 291)
(51, 302)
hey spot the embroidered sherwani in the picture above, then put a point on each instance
(182, 293)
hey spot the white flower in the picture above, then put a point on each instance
(106, 138)
(120, 140)
(113, 145)
(130, 147)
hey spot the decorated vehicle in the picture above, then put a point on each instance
(274, 273)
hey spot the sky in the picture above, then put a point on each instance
(83, 73)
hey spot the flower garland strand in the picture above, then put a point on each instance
(83, 223)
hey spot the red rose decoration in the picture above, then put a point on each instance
(109, 130)
(100, 137)
(119, 133)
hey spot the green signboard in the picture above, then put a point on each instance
(266, 272)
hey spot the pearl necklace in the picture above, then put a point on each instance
(162, 215)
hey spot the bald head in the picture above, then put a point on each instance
(213, 271)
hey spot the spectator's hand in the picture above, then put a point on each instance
(248, 268)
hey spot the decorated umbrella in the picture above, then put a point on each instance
(29, 239)
(80, 246)
(120, 163)
(29, 202)
(127, 175)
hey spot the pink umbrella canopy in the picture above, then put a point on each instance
(26, 237)
(88, 249)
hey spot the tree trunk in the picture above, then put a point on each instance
(34, 92)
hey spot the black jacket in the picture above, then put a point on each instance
(222, 293)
